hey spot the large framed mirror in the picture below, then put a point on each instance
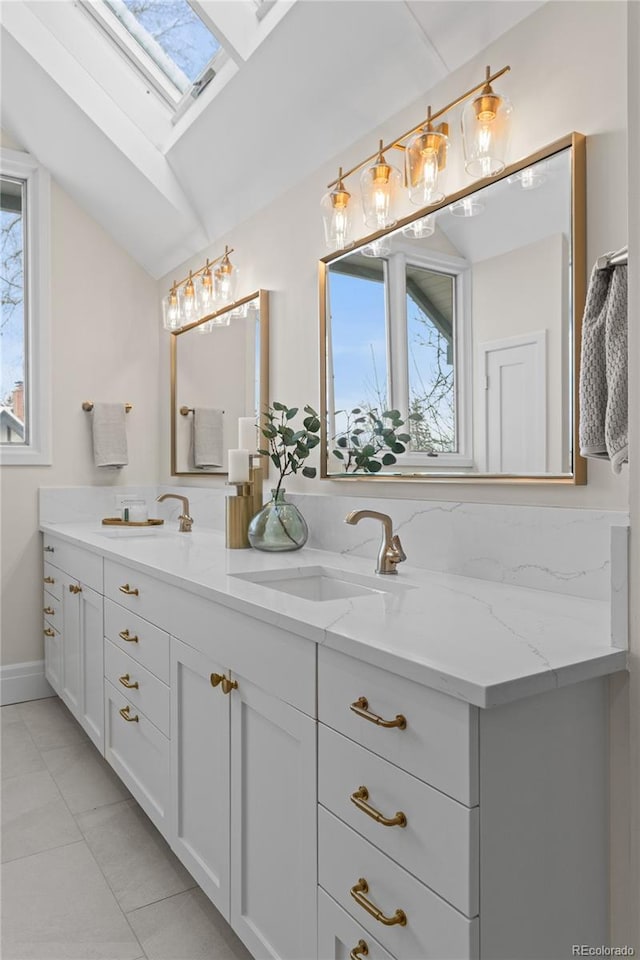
(219, 373)
(450, 343)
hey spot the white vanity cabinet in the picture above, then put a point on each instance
(74, 643)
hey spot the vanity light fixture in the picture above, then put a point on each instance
(467, 207)
(485, 127)
(203, 292)
(419, 229)
(531, 178)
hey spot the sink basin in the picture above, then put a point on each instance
(129, 533)
(324, 583)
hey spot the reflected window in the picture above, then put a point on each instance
(13, 327)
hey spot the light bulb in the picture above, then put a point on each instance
(377, 248)
(419, 229)
(425, 158)
(171, 310)
(379, 183)
(467, 207)
(206, 290)
(224, 280)
(486, 124)
(189, 303)
(336, 216)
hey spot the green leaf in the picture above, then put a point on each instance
(388, 459)
(388, 414)
(338, 453)
(312, 424)
(309, 472)
(342, 442)
(369, 450)
(356, 410)
(415, 416)
(355, 441)
(398, 448)
(404, 437)
(312, 441)
(270, 432)
(265, 453)
(310, 410)
(302, 451)
(290, 414)
(374, 466)
(278, 406)
(275, 460)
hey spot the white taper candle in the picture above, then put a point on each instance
(238, 466)
(247, 434)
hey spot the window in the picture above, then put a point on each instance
(24, 320)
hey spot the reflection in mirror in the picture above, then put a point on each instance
(219, 371)
(450, 343)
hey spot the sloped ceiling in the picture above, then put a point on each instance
(327, 74)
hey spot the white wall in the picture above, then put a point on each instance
(555, 90)
(104, 347)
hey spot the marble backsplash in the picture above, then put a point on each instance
(564, 550)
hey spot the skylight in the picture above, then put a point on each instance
(169, 39)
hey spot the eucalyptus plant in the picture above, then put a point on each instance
(371, 440)
(287, 447)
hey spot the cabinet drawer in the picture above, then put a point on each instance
(139, 754)
(52, 581)
(52, 610)
(146, 644)
(151, 695)
(339, 936)
(80, 564)
(438, 844)
(138, 592)
(440, 741)
(434, 930)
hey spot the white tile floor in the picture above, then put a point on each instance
(85, 874)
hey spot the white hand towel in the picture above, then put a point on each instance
(109, 435)
(604, 368)
(207, 438)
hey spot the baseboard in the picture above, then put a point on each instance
(23, 681)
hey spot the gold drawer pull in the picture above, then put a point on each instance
(358, 893)
(49, 580)
(361, 707)
(227, 684)
(125, 588)
(127, 636)
(74, 588)
(124, 713)
(125, 680)
(360, 797)
(50, 612)
(49, 632)
(361, 949)
(49, 549)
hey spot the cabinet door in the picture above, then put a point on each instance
(71, 662)
(92, 665)
(199, 832)
(52, 656)
(273, 826)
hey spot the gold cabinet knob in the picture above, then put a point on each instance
(226, 684)
(50, 612)
(49, 632)
(74, 588)
(130, 638)
(360, 797)
(125, 680)
(361, 949)
(130, 592)
(124, 713)
(358, 891)
(49, 549)
(49, 580)
(361, 708)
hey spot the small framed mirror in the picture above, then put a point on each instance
(450, 343)
(219, 373)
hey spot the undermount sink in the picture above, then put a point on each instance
(324, 583)
(128, 533)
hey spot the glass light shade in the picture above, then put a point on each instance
(336, 217)
(239, 313)
(205, 327)
(419, 229)
(205, 292)
(171, 310)
(225, 280)
(189, 312)
(222, 321)
(425, 158)
(380, 184)
(467, 207)
(486, 126)
(531, 178)
(377, 248)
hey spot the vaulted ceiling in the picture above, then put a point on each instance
(294, 92)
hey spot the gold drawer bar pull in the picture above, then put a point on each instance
(361, 949)
(127, 636)
(358, 893)
(49, 632)
(74, 588)
(125, 588)
(125, 680)
(227, 684)
(49, 580)
(50, 612)
(49, 549)
(361, 707)
(124, 713)
(360, 797)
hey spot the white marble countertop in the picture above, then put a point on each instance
(482, 642)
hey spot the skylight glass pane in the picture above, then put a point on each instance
(172, 34)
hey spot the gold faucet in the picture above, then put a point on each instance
(390, 553)
(186, 522)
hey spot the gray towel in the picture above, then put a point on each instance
(604, 368)
(207, 438)
(109, 435)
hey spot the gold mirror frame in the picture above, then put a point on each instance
(578, 474)
(263, 306)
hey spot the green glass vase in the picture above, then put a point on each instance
(279, 526)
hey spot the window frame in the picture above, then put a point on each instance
(37, 269)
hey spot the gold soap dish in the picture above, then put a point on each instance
(117, 522)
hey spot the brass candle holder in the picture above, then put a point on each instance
(256, 479)
(238, 516)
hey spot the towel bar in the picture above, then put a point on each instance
(185, 411)
(613, 259)
(88, 406)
